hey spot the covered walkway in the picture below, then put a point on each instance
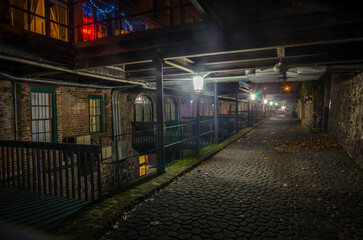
(278, 181)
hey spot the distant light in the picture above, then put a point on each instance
(253, 96)
(271, 103)
(191, 101)
(283, 108)
(265, 101)
(198, 82)
(286, 88)
(276, 104)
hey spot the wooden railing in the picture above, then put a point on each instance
(59, 169)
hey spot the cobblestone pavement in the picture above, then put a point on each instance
(259, 188)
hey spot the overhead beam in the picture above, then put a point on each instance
(180, 66)
(208, 13)
(206, 45)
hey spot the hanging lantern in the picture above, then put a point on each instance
(253, 96)
(198, 82)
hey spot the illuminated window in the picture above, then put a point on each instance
(143, 162)
(88, 31)
(43, 120)
(58, 14)
(46, 17)
(95, 114)
(191, 109)
(143, 109)
(170, 112)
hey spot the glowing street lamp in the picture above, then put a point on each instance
(265, 101)
(198, 82)
(283, 108)
(253, 96)
(271, 103)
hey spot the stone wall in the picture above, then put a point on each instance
(346, 113)
(311, 107)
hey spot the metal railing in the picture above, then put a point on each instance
(74, 170)
(58, 169)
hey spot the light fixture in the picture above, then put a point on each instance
(286, 88)
(265, 101)
(271, 103)
(198, 82)
(283, 108)
(253, 96)
(276, 104)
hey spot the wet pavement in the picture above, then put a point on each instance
(278, 182)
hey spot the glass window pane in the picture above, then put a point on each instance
(41, 126)
(37, 24)
(19, 3)
(47, 125)
(34, 127)
(37, 6)
(48, 137)
(19, 18)
(47, 99)
(35, 137)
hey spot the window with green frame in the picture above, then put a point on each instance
(43, 114)
(95, 114)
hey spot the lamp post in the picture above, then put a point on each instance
(252, 98)
(198, 83)
(270, 107)
(265, 105)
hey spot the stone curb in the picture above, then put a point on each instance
(93, 221)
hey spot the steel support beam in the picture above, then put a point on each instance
(197, 126)
(249, 113)
(160, 154)
(215, 85)
(237, 100)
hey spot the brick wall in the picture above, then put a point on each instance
(346, 113)
(71, 110)
(6, 111)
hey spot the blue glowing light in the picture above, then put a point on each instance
(109, 10)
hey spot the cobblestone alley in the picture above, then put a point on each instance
(279, 181)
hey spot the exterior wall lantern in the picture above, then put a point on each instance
(253, 97)
(198, 82)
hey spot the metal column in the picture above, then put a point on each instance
(160, 116)
(215, 114)
(249, 113)
(237, 100)
(197, 126)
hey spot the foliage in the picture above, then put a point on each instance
(19, 91)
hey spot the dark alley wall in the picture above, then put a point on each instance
(346, 113)
(335, 106)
